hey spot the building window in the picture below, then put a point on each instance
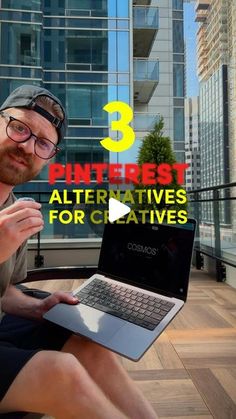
(85, 104)
(178, 36)
(21, 44)
(178, 80)
(88, 50)
(21, 4)
(178, 124)
(178, 4)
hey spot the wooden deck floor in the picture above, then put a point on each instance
(190, 371)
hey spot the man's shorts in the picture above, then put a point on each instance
(20, 339)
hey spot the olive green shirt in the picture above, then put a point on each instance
(15, 268)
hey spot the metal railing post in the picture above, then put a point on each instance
(39, 259)
(216, 216)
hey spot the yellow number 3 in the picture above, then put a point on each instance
(121, 125)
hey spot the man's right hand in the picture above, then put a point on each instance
(18, 222)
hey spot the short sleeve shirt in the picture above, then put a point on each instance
(15, 268)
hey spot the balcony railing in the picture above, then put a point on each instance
(147, 70)
(146, 17)
(146, 24)
(214, 208)
(146, 77)
(145, 121)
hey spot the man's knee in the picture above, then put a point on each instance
(83, 346)
(50, 378)
(92, 356)
(64, 372)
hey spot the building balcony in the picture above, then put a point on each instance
(201, 16)
(146, 24)
(142, 2)
(146, 78)
(201, 9)
(145, 121)
(202, 5)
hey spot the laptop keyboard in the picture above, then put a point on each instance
(134, 306)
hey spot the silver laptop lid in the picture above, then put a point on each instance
(156, 257)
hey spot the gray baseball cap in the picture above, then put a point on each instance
(26, 96)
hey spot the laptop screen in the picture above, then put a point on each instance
(155, 257)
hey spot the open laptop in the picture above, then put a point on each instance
(140, 286)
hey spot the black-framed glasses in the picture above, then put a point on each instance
(19, 132)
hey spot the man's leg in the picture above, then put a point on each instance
(57, 384)
(105, 369)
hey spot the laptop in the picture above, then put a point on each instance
(140, 285)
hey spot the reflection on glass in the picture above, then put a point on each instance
(146, 70)
(146, 17)
(86, 102)
(144, 121)
(178, 124)
(21, 44)
(21, 4)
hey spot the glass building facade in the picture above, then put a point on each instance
(89, 53)
(81, 52)
(214, 138)
(178, 79)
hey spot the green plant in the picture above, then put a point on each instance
(157, 149)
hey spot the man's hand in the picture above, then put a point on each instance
(57, 297)
(19, 304)
(17, 223)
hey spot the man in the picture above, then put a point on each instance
(44, 368)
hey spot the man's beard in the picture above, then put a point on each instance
(10, 173)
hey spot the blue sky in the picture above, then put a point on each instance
(190, 30)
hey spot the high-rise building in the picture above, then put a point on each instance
(232, 104)
(212, 46)
(232, 88)
(90, 53)
(192, 151)
(166, 96)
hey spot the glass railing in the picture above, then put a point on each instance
(146, 17)
(145, 121)
(214, 209)
(63, 220)
(146, 70)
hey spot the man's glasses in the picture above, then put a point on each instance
(19, 132)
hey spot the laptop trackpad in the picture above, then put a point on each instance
(85, 320)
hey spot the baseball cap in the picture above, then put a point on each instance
(26, 96)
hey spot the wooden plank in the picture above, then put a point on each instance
(167, 374)
(199, 316)
(225, 313)
(209, 362)
(227, 380)
(229, 295)
(167, 355)
(149, 361)
(201, 350)
(174, 397)
(202, 335)
(187, 417)
(56, 285)
(216, 398)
